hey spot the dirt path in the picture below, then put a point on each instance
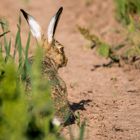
(113, 111)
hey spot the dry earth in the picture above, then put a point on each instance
(112, 94)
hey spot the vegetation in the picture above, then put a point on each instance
(127, 12)
(28, 116)
(24, 116)
(103, 48)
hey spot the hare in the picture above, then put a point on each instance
(54, 58)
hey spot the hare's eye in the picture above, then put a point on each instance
(61, 49)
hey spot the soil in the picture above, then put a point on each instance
(108, 98)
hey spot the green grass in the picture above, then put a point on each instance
(24, 116)
(126, 9)
(127, 13)
(102, 48)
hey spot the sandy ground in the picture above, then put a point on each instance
(111, 95)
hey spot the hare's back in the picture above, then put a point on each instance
(50, 72)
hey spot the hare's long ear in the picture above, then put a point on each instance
(53, 24)
(34, 26)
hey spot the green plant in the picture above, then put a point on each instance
(130, 46)
(128, 12)
(24, 115)
(4, 26)
(103, 48)
(126, 9)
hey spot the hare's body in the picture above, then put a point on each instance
(54, 58)
(58, 89)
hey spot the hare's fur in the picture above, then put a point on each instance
(53, 59)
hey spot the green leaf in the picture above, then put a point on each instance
(82, 130)
(104, 50)
(27, 45)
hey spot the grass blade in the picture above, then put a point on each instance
(82, 130)
(1, 35)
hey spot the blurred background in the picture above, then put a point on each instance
(84, 25)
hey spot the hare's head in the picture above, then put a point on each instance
(53, 49)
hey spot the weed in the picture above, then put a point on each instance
(24, 116)
(131, 44)
(103, 48)
(126, 9)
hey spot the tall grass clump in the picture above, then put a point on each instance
(102, 48)
(24, 115)
(128, 13)
(128, 50)
(126, 9)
